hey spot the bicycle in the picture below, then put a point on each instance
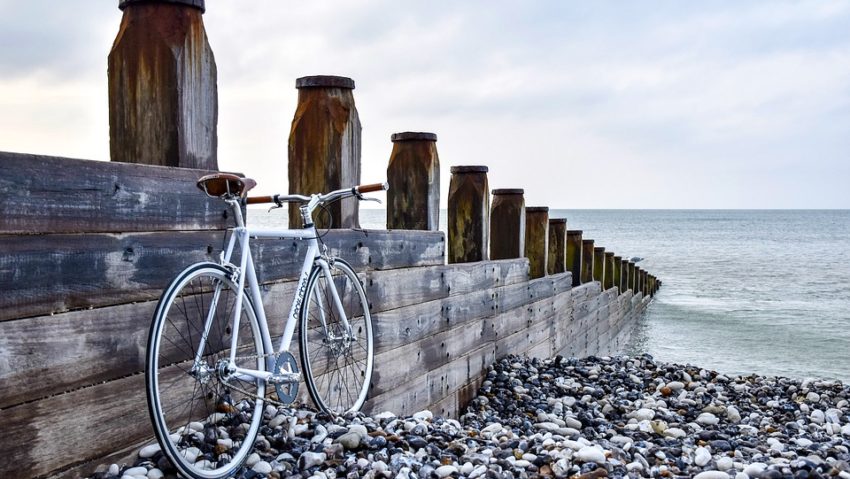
(210, 357)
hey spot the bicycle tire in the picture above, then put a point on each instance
(337, 371)
(184, 426)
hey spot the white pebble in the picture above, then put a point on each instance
(732, 414)
(262, 467)
(155, 474)
(712, 475)
(252, 460)
(425, 415)
(590, 454)
(478, 471)
(643, 414)
(725, 463)
(702, 456)
(277, 421)
(149, 451)
(755, 468)
(707, 419)
(445, 471)
(803, 442)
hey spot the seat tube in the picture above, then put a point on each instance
(240, 290)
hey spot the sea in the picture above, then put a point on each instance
(744, 291)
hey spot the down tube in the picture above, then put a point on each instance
(289, 330)
(257, 298)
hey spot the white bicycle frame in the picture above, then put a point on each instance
(245, 272)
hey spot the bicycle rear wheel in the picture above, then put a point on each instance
(336, 362)
(199, 411)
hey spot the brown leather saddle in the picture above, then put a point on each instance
(220, 185)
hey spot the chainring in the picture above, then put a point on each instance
(285, 363)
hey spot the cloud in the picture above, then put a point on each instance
(675, 104)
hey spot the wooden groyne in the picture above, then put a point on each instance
(86, 248)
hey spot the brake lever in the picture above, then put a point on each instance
(376, 200)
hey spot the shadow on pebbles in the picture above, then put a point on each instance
(585, 418)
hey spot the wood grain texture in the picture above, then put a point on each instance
(586, 260)
(45, 194)
(537, 240)
(95, 270)
(163, 97)
(574, 252)
(468, 215)
(557, 249)
(324, 152)
(89, 346)
(507, 224)
(413, 173)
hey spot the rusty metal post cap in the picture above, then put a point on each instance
(324, 81)
(609, 253)
(557, 221)
(509, 191)
(470, 169)
(536, 209)
(412, 136)
(574, 232)
(199, 4)
(599, 248)
(587, 241)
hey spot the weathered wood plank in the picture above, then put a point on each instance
(84, 347)
(95, 270)
(45, 435)
(408, 286)
(45, 194)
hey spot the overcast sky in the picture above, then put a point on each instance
(650, 104)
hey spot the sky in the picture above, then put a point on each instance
(603, 104)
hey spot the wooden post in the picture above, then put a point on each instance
(618, 272)
(557, 261)
(413, 200)
(163, 98)
(574, 255)
(624, 275)
(324, 148)
(638, 276)
(586, 261)
(652, 285)
(631, 283)
(645, 282)
(507, 224)
(608, 277)
(537, 239)
(599, 264)
(469, 207)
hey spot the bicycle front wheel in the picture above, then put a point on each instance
(336, 359)
(205, 416)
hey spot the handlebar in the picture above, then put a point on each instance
(333, 195)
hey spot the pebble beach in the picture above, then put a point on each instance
(564, 418)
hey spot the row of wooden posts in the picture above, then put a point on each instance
(147, 126)
(505, 228)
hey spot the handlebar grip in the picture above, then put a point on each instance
(372, 187)
(253, 200)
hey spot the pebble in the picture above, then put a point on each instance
(262, 467)
(562, 417)
(149, 451)
(590, 454)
